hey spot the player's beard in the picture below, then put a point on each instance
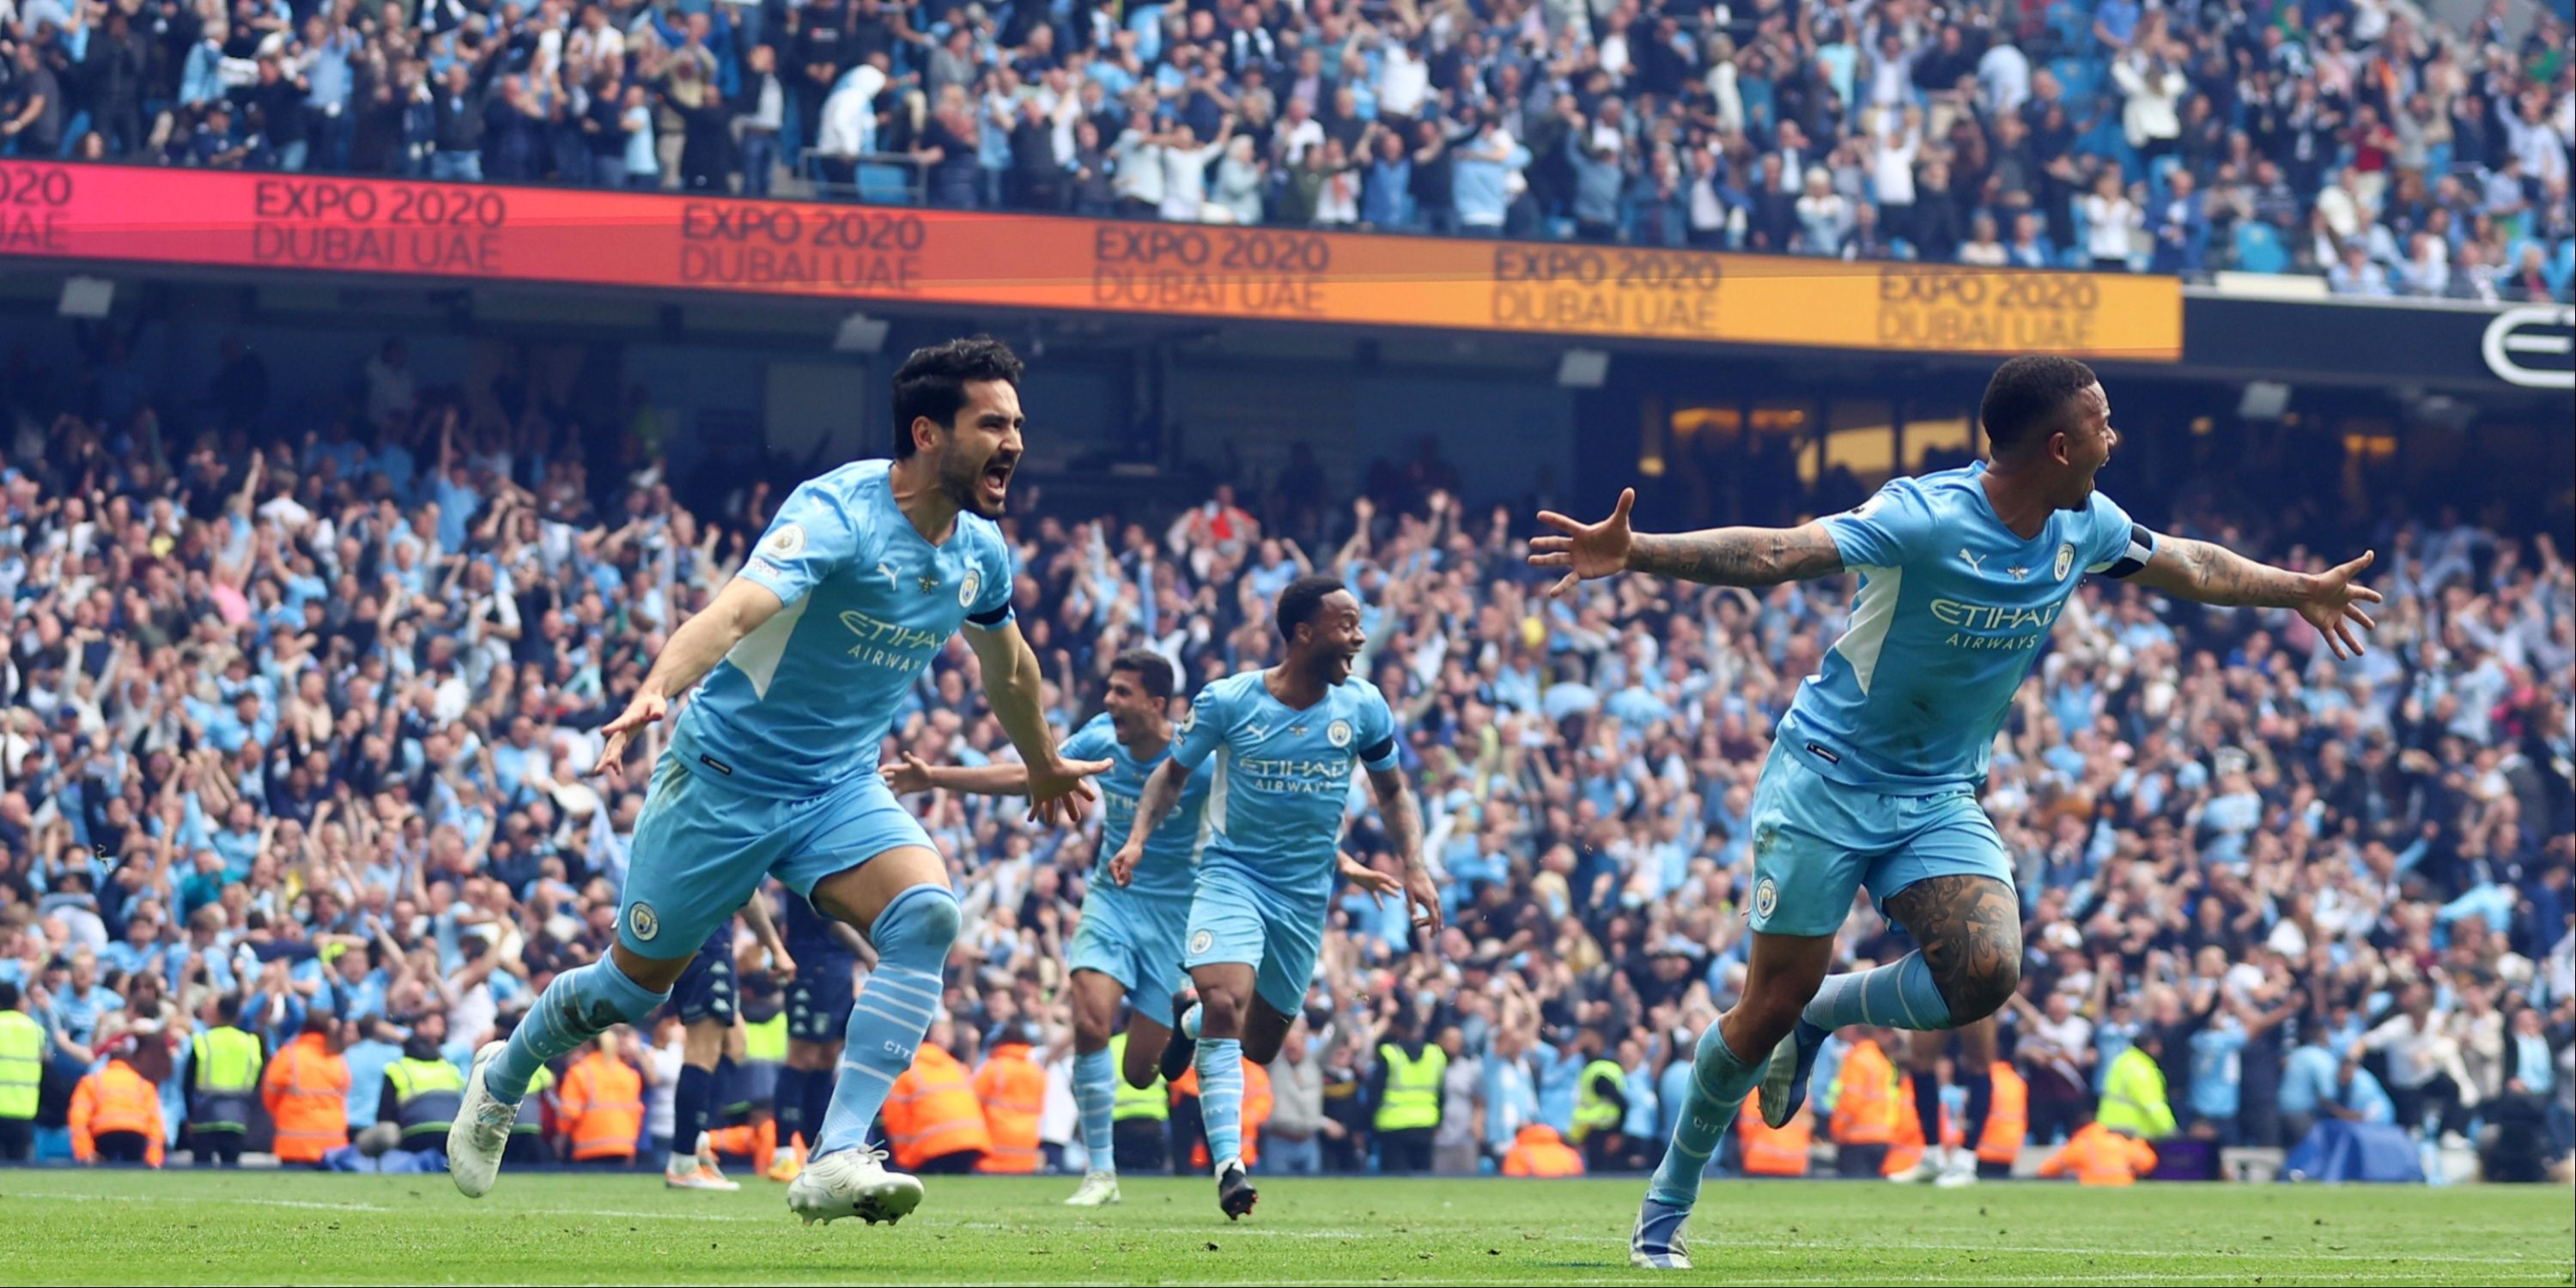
(963, 482)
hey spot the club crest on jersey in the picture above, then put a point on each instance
(641, 919)
(1766, 897)
(786, 543)
(966, 590)
(1201, 942)
(2065, 559)
(1338, 733)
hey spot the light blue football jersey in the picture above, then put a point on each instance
(1171, 853)
(1282, 776)
(801, 704)
(1951, 612)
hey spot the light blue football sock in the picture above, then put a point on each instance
(912, 937)
(1095, 1093)
(579, 1005)
(1718, 1083)
(1220, 1065)
(1898, 995)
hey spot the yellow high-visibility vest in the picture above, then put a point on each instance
(1412, 1087)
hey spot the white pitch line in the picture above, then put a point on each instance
(174, 1198)
(2251, 1257)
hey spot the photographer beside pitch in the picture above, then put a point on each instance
(1874, 772)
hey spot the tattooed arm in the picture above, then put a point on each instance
(1738, 556)
(1403, 815)
(1716, 557)
(2212, 574)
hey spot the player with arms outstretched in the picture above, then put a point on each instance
(1284, 743)
(1874, 772)
(863, 576)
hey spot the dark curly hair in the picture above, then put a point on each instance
(932, 382)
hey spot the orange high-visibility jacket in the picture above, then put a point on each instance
(306, 1091)
(1774, 1151)
(2007, 1119)
(1257, 1104)
(1865, 1104)
(1012, 1089)
(1905, 1146)
(116, 1098)
(757, 1142)
(931, 1112)
(2098, 1155)
(1537, 1151)
(602, 1105)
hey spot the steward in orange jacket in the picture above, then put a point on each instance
(2098, 1155)
(1865, 1109)
(1770, 1151)
(1012, 1089)
(601, 1107)
(116, 1114)
(2007, 1118)
(306, 1092)
(1257, 1104)
(1905, 1148)
(932, 1118)
(1537, 1151)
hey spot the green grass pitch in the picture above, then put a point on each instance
(59, 1226)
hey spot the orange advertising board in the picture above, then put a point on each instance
(900, 254)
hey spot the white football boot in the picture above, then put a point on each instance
(481, 1130)
(1099, 1189)
(852, 1182)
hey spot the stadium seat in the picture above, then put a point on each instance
(2258, 248)
(885, 185)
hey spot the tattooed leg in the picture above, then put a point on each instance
(1970, 931)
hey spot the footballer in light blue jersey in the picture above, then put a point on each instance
(860, 580)
(1873, 774)
(1285, 743)
(1129, 944)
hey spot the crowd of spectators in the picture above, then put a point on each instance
(2352, 139)
(303, 722)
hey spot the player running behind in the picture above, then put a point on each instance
(1873, 773)
(827, 954)
(708, 1006)
(1130, 938)
(1942, 1165)
(863, 576)
(1284, 743)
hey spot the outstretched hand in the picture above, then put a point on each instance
(1059, 792)
(2333, 606)
(910, 777)
(1378, 884)
(648, 707)
(1585, 550)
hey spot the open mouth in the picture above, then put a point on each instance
(996, 479)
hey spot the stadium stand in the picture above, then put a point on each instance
(2358, 140)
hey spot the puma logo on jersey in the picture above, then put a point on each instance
(1974, 563)
(886, 570)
